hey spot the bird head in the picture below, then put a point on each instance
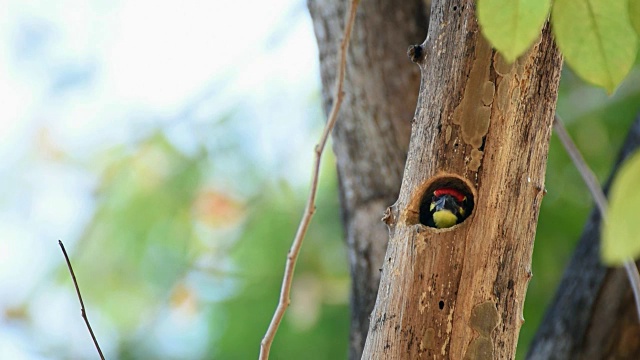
(448, 208)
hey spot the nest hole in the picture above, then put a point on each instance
(456, 186)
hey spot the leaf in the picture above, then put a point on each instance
(511, 26)
(596, 39)
(621, 232)
(634, 15)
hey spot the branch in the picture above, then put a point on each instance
(82, 310)
(292, 256)
(598, 196)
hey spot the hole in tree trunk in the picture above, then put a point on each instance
(446, 201)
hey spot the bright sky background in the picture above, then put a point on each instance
(79, 77)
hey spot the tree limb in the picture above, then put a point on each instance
(481, 125)
(371, 139)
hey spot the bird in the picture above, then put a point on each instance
(448, 207)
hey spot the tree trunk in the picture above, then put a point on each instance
(593, 313)
(371, 136)
(482, 126)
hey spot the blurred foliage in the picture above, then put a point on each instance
(141, 240)
(596, 39)
(512, 26)
(599, 133)
(621, 228)
(166, 247)
(316, 324)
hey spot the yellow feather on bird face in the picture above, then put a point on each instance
(444, 219)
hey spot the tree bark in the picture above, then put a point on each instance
(484, 126)
(593, 313)
(371, 137)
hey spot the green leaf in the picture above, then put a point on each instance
(596, 39)
(621, 232)
(511, 26)
(634, 15)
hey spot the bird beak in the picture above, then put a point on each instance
(440, 203)
(445, 203)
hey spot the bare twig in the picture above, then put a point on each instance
(587, 175)
(82, 310)
(598, 195)
(292, 256)
(634, 279)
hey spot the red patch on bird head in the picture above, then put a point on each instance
(456, 194)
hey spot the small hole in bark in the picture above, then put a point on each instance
(441, 304)
(455, 8)
(415, 53)
(446, 202)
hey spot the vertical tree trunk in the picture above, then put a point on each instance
(372, 135)
(484, 127)
(593, 313)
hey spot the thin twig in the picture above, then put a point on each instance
(634, 280)
(598, 195)
(292, 256)
(587, 175)
(82, 310)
